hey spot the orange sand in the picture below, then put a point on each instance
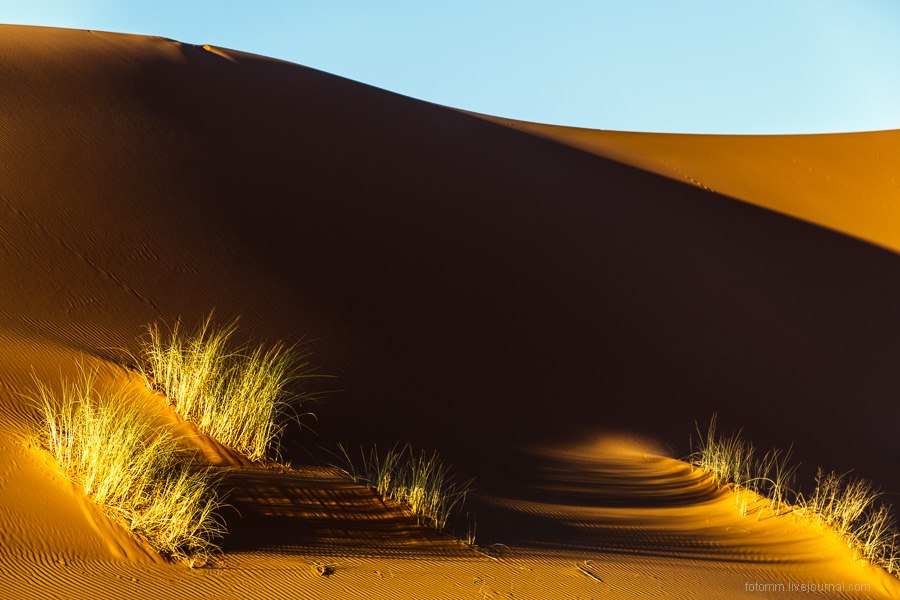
(549, 317)
(845, 181)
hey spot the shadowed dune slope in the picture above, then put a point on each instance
(467, 282)
(474, 287)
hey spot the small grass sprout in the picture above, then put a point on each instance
(419, 481)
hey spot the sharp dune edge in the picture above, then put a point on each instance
(550, 308)
(842, 181)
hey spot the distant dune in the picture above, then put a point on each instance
(841, 181)
(551, 308)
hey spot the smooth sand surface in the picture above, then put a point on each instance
(844, 181)
(553, 320)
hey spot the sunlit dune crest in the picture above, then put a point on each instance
(846, 182)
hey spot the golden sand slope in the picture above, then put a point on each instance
(846, 182)
(475, 288)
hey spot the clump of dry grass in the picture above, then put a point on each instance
(239, 396)
(732, 460)
(134, 471)
(421, 482)
(851, 507)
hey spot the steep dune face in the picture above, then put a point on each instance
(474, 288)
(458, 276)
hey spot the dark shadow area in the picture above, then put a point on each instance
(499, 289)
(600, 483)
(477, 289)
(628, 506)
(322, 513)
(530, 533)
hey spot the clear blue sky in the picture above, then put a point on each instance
(703, 66)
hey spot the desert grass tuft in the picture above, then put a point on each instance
(134, 471)
(419, 481)
(731, 460)
(853, 508)
(238, 396)
(849, 506)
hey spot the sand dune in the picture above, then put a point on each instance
(552, 320)
(840, 181)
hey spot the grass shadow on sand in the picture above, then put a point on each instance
(319, 511)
